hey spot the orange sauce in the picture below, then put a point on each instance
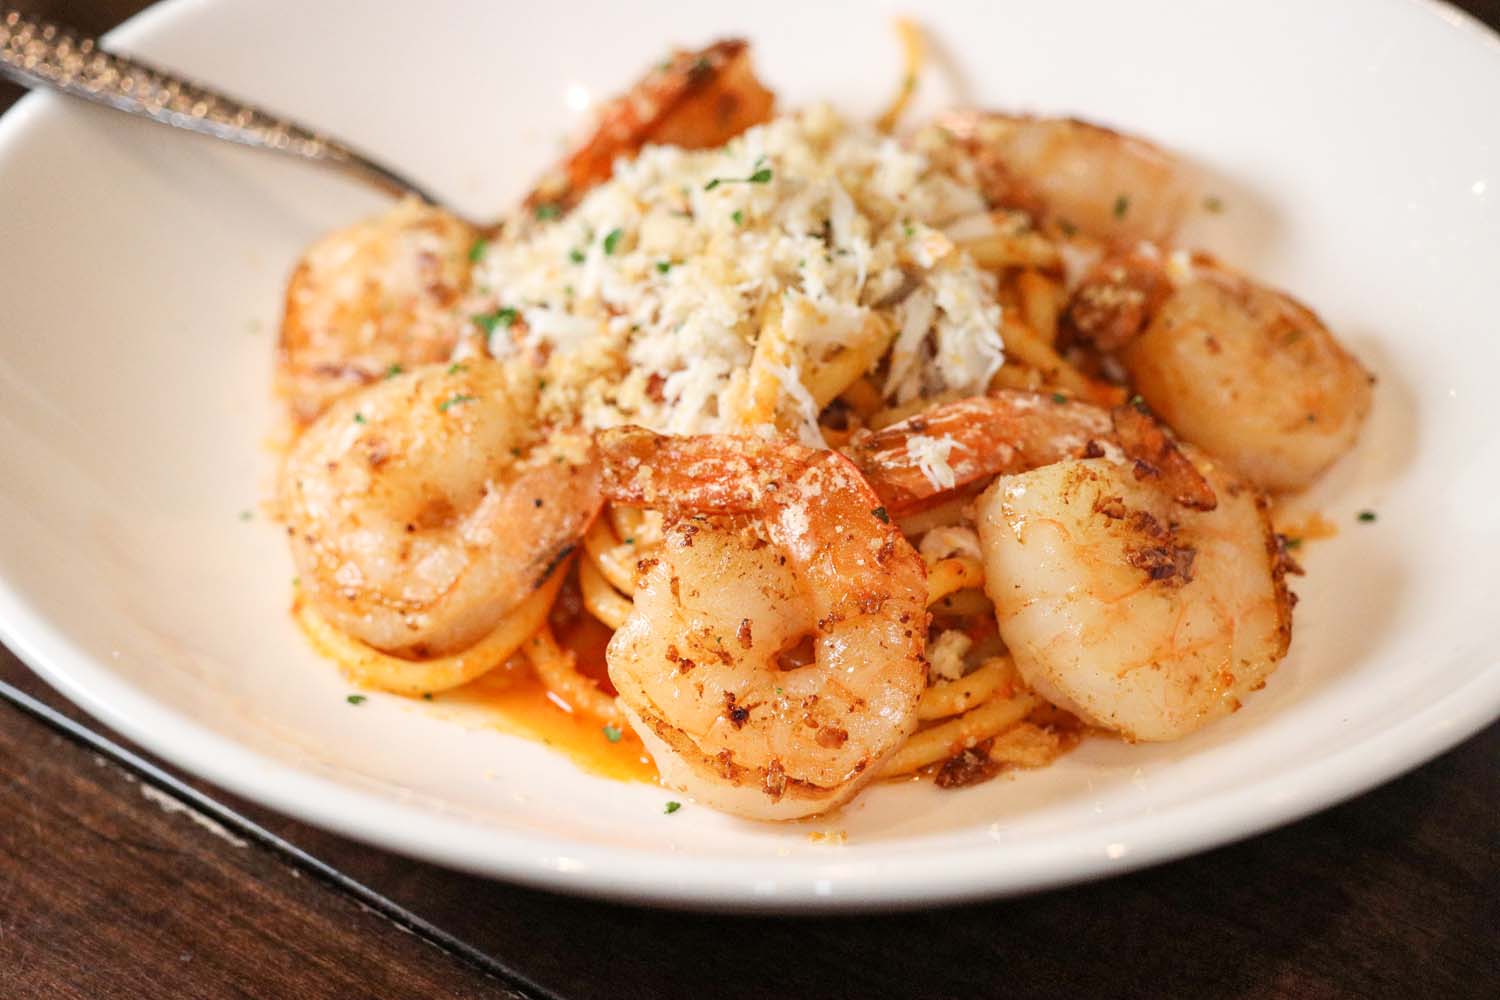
(1304, 527)
(522, 705)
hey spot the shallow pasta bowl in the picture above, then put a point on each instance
(141, 273)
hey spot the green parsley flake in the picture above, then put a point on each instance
(1059, 398)
(500, 317)
(393, 371)
(1213, 203)
(1068, 229)
(612, 733)
(738, 217)
(456, 367)
(1137, 402)
(1122, 205)
(546, 213)
(575, 255)
(476, 251)
(452, 401)
(672, 807)
(246, 515)
(356, 699)
(761, 175)
(663, 266)
(359, 418)
(882, 514)
(1292, 543)
(611, 241)
(426, 695)
(1367, 516)
(909, 229)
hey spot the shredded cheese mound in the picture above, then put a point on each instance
(741, 289)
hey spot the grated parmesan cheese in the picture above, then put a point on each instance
(930, 455)
(646, 303)
(945, 655)
(947, 541)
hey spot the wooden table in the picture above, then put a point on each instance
(123, 878)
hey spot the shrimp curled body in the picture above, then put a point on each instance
(1131, 611)
(774, 656)
(402, 502)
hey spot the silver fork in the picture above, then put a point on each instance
(40, 54)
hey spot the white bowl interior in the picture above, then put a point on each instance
(141, 274)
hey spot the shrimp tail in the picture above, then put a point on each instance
(1156, 456)
(694, 99)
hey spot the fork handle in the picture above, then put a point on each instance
(39, 54)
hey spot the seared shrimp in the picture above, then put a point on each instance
(774, 658)
(1131, 611)
(369, 299)
(1070, 173)
(1012, 430)
(420, 513)
(1244, 371)
(696, 100)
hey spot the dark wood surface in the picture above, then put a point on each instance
(115, 882)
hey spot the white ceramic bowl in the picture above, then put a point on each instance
(1353, 144)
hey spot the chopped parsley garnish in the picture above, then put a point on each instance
(1367, 516)
(456, 367)
(476, 251)
(575, 255)
(1068, 229)
(672, 807)
(630, 541)
(1213, 203)
(546, 213)
(426, 695)
(359, 418)
(246, 515)
(612, 240)
(738, 217)
(612, 733)
(1291, 543)
(356, 699)
(882, 514)
(1059, 398)
(1137, 402)
(393, 371)
(1122, 205)
(488, 321)
(452, 401)
(761, 175)
(909, 229)
(663, 266)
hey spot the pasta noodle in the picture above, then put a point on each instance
(603, 601)
(948, 698)
(558, 670)
(369, 667)
(956, 573)
(939, 742)
(1041, 302)
(604, 552)
(914, 55)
